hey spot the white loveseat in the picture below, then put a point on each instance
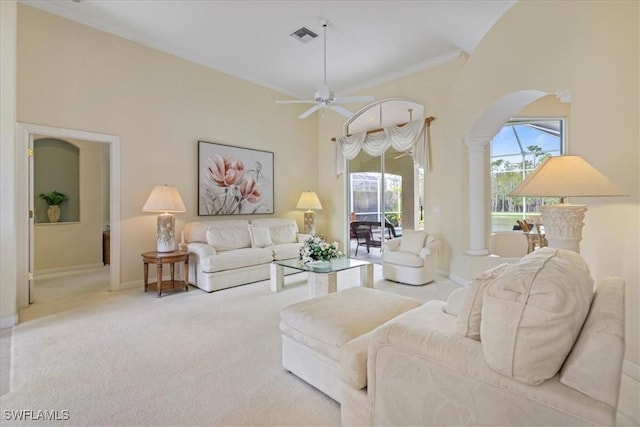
(529, 344)
(227, 253)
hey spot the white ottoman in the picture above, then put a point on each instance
(314, 330)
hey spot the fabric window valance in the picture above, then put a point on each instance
(409, 137)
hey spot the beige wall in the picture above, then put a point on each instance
(65, 245)
(589, 48)
(159, 106)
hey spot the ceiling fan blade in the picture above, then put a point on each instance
(365, 98)
(308, 112)
(297, 101)
(341, 110)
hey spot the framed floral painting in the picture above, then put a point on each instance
(234, 180)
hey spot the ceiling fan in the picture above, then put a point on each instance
(324, 97)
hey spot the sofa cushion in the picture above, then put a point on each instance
(326, 323)
(406, 259)
(595, 363)
(412, 241)
(533, 313)
(468, 322)
(285, 251)
(283, 234)
(226, 239)
(197, 231)
(260, 236)
(237, 258)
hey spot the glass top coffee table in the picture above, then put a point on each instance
(322, 276)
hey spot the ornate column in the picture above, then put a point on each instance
(477, 146)
(563, 225)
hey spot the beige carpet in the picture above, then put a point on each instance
(128, 358)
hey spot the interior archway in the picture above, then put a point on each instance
(477, 141)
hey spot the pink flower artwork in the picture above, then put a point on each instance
(224, 171)
(231, 189)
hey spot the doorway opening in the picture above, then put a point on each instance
(109, 146)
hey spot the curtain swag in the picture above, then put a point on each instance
(409, 137)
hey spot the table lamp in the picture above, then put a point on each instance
(309, 201)
(565, 176)
(165, 199)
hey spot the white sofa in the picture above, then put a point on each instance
(516, 351)
(227, 253)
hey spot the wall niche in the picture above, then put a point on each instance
(56, 167)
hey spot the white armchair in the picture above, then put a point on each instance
(410, 259)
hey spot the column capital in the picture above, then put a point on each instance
(477, 142)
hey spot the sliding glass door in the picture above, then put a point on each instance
(384, 198)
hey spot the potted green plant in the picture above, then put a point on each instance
(54, 199)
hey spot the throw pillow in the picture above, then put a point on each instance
(533, 313)
(260, 236)
(595, 362)
(412, 241)
(468, 322)
(283, 234)
(225, 239)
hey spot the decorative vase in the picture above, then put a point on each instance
(53, 212)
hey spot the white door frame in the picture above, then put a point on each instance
(25, 134)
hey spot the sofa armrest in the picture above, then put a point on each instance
(391, 244)
(202, 250)
(454, 301)
(420, 374)
(302, 237)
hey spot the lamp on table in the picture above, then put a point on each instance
(565, 176)
(165, 199)
(309, 201)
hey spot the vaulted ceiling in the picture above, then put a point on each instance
(368, 42)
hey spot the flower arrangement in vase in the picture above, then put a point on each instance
(317, 248)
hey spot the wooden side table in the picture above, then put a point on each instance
(159, 258)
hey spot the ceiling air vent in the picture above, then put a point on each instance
(303, 34)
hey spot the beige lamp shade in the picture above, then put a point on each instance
(309, 201)
(164, 198)
(566, 176)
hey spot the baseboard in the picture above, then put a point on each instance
(8, 321)
(50, 273)
(130, 285)
(459, 280)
